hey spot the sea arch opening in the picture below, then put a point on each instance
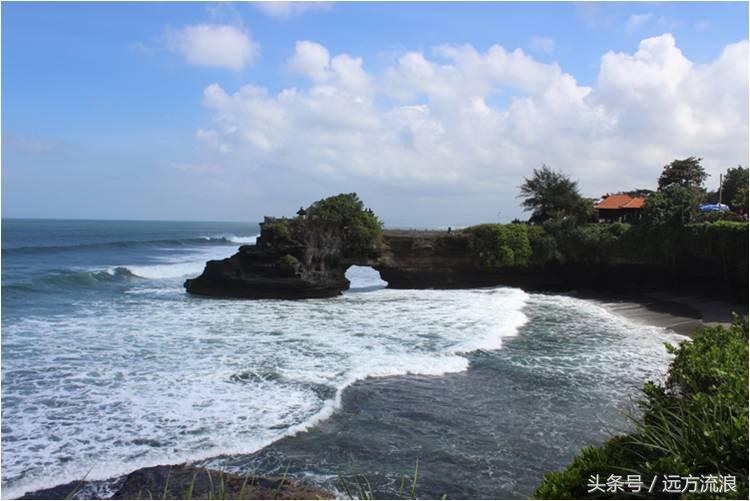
(364, 279)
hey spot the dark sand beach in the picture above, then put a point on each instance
(682, 311)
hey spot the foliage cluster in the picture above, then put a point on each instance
(734, 190)
(590, 243)
(723, 243)
(543, 246)
(696, 423)
(341, 220)
(345, 215)
(712, 217)
(500, 245)
(679, 194)
(721, 247)
(552, 195)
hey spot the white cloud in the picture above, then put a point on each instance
(284, 10)
(218, 45)
(542, 44)
(313, 61)
(310, 60)
(432, 123)
(637, 20)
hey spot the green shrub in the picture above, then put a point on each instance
(288, 262)
(500, 245)
(343, 217)
(543, 246)
(712, 217)
(694, 424)
(723, 244)
(276, 231)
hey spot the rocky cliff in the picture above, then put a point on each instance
(288, 270)
(307, 256)
(432, 259)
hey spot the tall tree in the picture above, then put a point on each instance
(551, 195)
(680, 192)
(687, 172)
(734, 188)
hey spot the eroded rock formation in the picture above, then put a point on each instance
(289, 270)
(308, 256)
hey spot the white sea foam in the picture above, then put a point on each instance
(244, 239)
(168, 377)
(248, 240)
(162, 377)
(186, 264)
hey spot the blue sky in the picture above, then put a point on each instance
(106, 114)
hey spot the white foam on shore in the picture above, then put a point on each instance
(154, 378)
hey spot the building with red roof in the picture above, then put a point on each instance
(620, 207)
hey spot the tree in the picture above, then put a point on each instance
(740, 200)
(688, 173)
(553, 195)
(675, 205)
(734, 188)
(343, 218)
(680, 192)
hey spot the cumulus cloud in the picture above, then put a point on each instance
(462, 120)
(310, 60)
(217, 45)
(284, 10)
(313, 61)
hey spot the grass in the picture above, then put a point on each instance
(362, 489)
(696, 423)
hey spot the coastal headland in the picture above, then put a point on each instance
(308, 256)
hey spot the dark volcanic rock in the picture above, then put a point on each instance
(255, 272)
(421, 260)
(189, 482)
(185, 482)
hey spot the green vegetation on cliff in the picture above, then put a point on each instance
(694, 424)
(500, 245)
(717, 250)
(345, 214)
(333, 226)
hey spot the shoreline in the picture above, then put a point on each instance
(683, 311)
(680, 311)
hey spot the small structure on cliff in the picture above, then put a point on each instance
(620, 207)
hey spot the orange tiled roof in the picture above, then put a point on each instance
(621, 201)
(614, 202)
(635, 203)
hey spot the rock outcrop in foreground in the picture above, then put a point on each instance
(186, 482)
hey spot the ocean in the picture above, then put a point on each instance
(108, 366)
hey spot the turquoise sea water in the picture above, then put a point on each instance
(107, 366)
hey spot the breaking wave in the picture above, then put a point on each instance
(225, 239)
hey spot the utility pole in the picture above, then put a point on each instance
(721, 186)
